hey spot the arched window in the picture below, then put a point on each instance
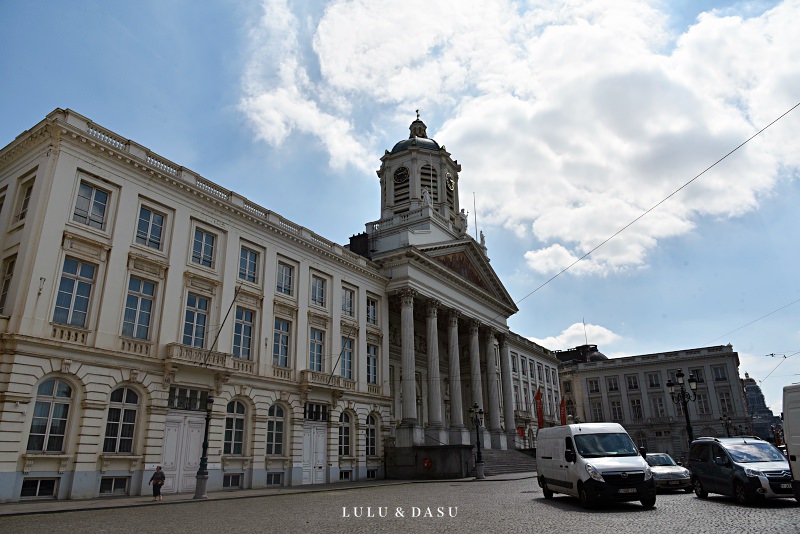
(234, 428)
(275, 422)
(50, 414)
(122, 409)
(344, 434)
(371, 436)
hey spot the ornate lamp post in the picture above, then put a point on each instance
(476, 414)
(683, 397)
(727, 423)
(202, 471)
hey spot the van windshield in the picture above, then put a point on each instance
(599, 445)
(745, 453)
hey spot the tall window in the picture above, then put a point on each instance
(122, 410)
(653, 380)
(8, 274)
(248, 265)
(725, 402)
(698, 375)
(514, 362)
(203, 248)
(138, 308)
(539, 369)
(74, 290)
(234, 428)
(594, 385)
(275, 422)
(657, 404)
(597, 411)
(317, 291)
(371, 436)
(703, 405)
(194, 324)
(616, 410)
(23, 202)
(636, 409)
(280, 344)
(150, 228)
(284, 278)
(315, 350)
(372, 311)
(90, 208)
(348, 302)
(612, 383)
(524, 367)
(49, 424)
(720, 374)
(344, 434)
(347, 358)
(633, 381)
(243, 333)
(372, 364)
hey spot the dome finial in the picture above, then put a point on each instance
(417, 114)
(418, 128)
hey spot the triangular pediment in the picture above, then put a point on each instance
(460, 263)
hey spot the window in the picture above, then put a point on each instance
(122, 409)
(274, 479)
(530, 362)
(633, 381)
(698, 375)
(719, 373)
(150, 228)
(372, 474)
(597, 411)
(194, 324)
(23, 201)
(243, 333)
(317, 291)
(345, 475)
(347, 358)
(371, 436)
(8, 274)
(275, 424)
(593, 385)
(616, 410)
(285, 275)
(636, 409)
(74, 290)
(38, 487)
(315, 350)
(524, 367)
(348, 302)
(280, 345)
(372, 364)
(703, 405)
(234, 428)
(547, 375)
(344, 434)
(316, 412)
(90, 208)
(49, 424)
(138, 308)
(539, 369)
(657, 404)
(514, 362)
(232, 480)
(372, 311)
(114, 485)
(248, 265)
(612, 383)
(203, 248)
(567, 386)
(725, 402)
(653, 380)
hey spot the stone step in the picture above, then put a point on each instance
(500, 462)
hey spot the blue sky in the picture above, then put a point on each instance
(570, 119)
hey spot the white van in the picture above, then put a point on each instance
(593, 461)
(791, 433)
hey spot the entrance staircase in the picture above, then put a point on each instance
(499, 462)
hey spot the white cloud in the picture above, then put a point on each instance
(577, 334)
(571, 119)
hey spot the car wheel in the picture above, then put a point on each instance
(699, 490)
(740, 494)
(584, 498)
(649, 502)
(548, 493)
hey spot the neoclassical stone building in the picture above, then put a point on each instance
(140, 300)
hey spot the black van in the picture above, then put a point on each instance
(745, 467)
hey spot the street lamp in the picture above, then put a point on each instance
(683, 397)
(202, 471)
(476, 414)
(726, 421)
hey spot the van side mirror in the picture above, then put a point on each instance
(569, 455)
(719, 460)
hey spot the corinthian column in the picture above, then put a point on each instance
(491, 384)
(475, 363)
(407, 356)
(434, 382)
(456, 410)
(508, 392)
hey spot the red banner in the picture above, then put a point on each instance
(539, 408)
(563, 410)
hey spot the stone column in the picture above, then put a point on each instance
(475, 364)
(459, 434)
(407, 356)
(493, 423)
(508, 391)
(435, 433)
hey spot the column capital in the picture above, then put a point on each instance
(474, 326)
(452, 317)
(432, 307)
(407, 296)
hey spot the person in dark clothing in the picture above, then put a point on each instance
(157, 480)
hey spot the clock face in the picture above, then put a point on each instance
(450, 182)
(401, 175)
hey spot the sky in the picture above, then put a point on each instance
(590, 135)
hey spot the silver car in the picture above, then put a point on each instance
(668, 474)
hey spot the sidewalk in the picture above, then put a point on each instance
(58, 506)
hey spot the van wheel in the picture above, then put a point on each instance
(740, 493)
(548, 493)
(699, 490)
(584, 498)
(648, 503)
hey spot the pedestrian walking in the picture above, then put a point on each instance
(157, 480)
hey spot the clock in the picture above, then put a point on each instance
(451, 184)
(401, 175)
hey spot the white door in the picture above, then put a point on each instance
(315, 452)
(183, 445)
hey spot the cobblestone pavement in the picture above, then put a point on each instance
(447, 506)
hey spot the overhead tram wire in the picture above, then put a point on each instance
(615, 234)
(752, 322)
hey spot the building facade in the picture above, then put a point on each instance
(140, 300)
(633, 391)
(762, 421)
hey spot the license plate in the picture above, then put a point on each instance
(675, 482)
(786, 486)
(627, 490)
